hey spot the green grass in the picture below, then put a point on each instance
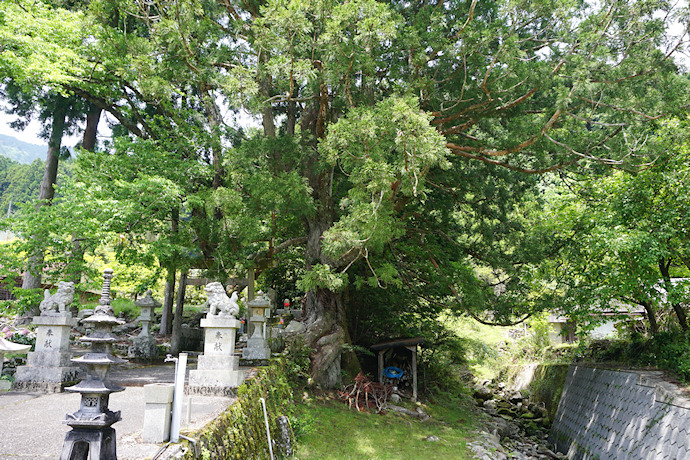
(482, 344)
(327, 429)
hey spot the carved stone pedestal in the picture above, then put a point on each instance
(87, 444)
(48, 369)
(217, 371)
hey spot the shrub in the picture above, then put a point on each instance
(664, 350)
(297, 362)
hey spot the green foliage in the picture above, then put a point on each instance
(664, 350)
(51, 53)
(322, 277)
(444, 364)
(400, 147)
(27, 299)
(304, 423)
(283, 277)
(125, 308)
(536, 341)
(297, 362)
(18, 184)
(24, 338)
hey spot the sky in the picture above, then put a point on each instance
(30, 134)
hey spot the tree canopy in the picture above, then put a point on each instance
(401, 143)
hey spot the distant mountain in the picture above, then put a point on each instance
(20, 151)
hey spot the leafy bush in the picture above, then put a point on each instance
(24, 339)
(297, 362)
(664, 350)
(302, 424)
(125, 308)
(443, 365)
(26, 300)
(536, 342)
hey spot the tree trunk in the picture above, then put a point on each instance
(166, 315)
(324, 309)
(664, 266)
(88, 142)
(265, 86)
(651, 316)
(176, 341)
(32, 277)
(291, 121)
(89, 138)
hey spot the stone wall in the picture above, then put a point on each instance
(240, 432)
(606, 414)
(547, 384)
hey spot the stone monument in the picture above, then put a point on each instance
(92, 435)
(217, 371)
(144, 345)
(257, 346)
(48, 368)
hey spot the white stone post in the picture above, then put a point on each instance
(217, 369)
(157, 414)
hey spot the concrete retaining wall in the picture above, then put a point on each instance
(605, 414)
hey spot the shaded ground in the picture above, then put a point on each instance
(31, 424)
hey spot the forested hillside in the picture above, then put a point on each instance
(18, 182)
(20, 151)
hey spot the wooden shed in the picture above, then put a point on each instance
(411, 345)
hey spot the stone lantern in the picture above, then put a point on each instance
(144, 345)
(257, 346)
(92, 433)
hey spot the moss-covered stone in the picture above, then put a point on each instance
(240, 432)
(547, 385)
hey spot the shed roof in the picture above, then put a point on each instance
(397, 343)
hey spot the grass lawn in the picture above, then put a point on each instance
(327, 429)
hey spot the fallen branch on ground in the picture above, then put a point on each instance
(365, 394)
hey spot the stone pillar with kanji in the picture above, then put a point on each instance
(48, 368)
(217, 371)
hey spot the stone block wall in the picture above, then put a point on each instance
(607, 414)
(239, 433)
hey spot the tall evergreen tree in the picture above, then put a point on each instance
(397, 137)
